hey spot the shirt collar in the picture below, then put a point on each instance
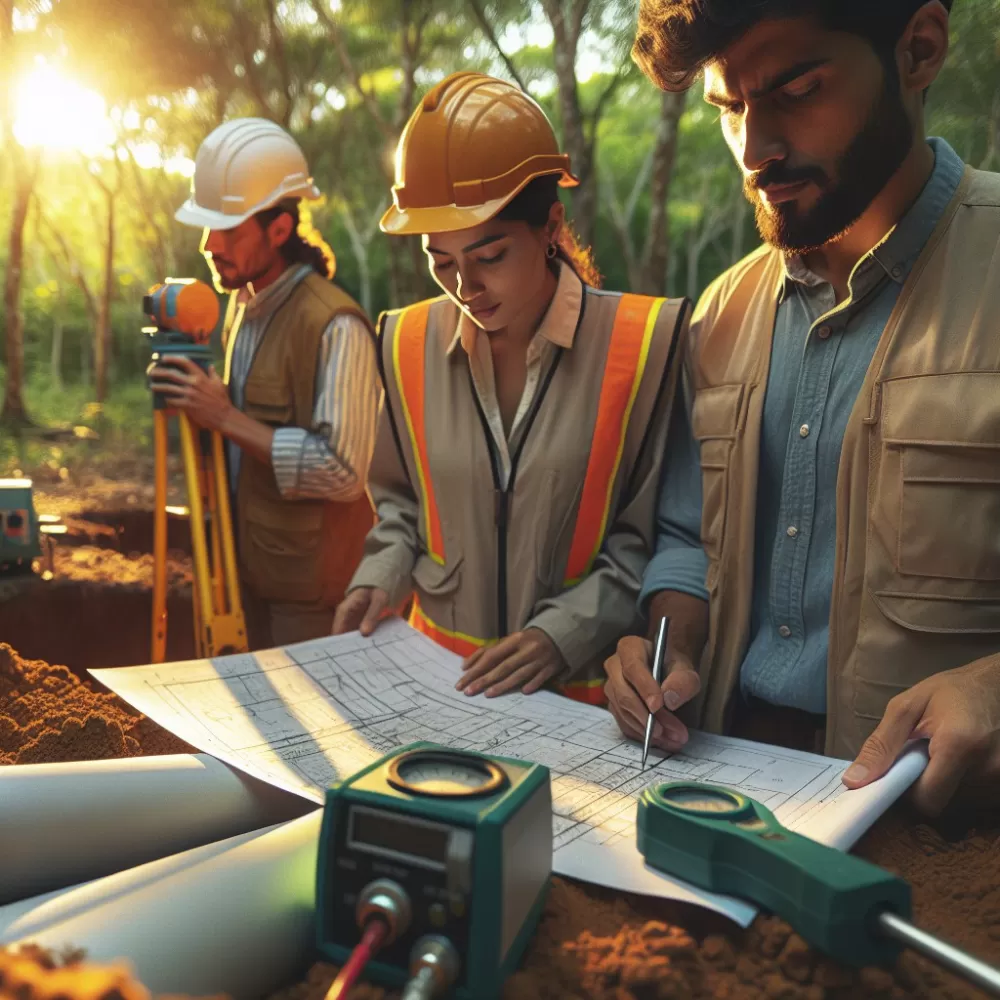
(264, 303)
(899, 249)
(558, 325)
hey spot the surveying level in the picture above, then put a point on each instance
(186, 312)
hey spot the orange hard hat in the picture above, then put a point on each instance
(471, 145)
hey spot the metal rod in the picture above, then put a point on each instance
(977, 972)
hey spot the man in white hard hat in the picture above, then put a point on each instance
(301, 391)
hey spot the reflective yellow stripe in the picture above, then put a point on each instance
(408, 357)
(628, 352)
(457, 642)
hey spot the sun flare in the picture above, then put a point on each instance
(54, 112)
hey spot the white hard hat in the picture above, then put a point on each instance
(243, 167)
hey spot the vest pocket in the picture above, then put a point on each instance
(937, 510)
(436, 587)
(714, 421)
(949, 522)
(282, 554)
(268, 402)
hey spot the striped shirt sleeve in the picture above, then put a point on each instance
(330, 460)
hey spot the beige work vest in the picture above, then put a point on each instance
(916, 585)
(294, 550)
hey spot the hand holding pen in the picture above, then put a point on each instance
(633, 694)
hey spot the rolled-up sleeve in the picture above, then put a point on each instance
(679, 562)
(330, 460)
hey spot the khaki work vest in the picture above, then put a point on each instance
(916, 588)
(294, 550)
(490, 556)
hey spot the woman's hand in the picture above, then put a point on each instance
(524, 660)
(361, 610)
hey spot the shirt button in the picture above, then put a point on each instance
(804, 431)
(784, 631)
(791, 531)
(824, 332)
(896, 271)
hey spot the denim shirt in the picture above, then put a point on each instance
(820, 355)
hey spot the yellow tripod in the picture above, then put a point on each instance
(219, 628)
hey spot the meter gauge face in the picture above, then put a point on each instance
(712, 803)
(443, 774)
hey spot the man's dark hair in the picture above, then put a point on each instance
(305, 245)
(676, 38)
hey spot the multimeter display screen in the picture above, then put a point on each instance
(390, 833)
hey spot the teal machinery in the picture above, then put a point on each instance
(433, 869)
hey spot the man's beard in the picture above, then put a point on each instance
(233, 279)
(874, 155)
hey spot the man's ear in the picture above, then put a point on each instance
(280, 230)
(923, 48)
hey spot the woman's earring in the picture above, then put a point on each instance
(551, 250)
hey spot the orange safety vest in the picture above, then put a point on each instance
(631, 335)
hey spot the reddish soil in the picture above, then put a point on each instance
(592, 943)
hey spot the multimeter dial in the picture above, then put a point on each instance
(445, 774)
(693, 798)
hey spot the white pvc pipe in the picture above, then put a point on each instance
(234, 917)
(61, 824)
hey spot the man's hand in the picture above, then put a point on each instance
(959, 712)
(187, 387)
(361, 610)
(633, 694)
(524, 660)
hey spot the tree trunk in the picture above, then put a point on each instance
(55, 363)
(102, 340)
(359, 247)
(574, 134)
(14, 411)
(693, 260)
(664, 156)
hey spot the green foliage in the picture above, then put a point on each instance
(344, 76)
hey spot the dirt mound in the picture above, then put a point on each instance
(49, 714)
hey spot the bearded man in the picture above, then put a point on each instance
(829, 528)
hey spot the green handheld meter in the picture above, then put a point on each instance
(453, 847)
(724, 842)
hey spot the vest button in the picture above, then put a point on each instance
(804, 431)
(784, 631)
(824, 332)
(791, 531)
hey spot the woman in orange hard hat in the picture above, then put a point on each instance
(519, 449)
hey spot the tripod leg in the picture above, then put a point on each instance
(159, 645)
(211, 494)
(202, 581)
(224, 530)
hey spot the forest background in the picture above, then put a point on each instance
(103, 104)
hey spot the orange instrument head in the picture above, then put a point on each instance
(184, 305)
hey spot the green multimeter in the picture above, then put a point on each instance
(456, 846)
(722, 841)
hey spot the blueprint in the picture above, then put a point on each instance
(307, 715)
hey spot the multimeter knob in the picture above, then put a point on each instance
(434, 966)
(388, 901)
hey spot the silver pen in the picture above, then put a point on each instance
(659, 655)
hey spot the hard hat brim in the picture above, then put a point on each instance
(193, 214)
(452, 218)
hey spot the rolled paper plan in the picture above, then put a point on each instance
(235, 917)
(62, 824)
